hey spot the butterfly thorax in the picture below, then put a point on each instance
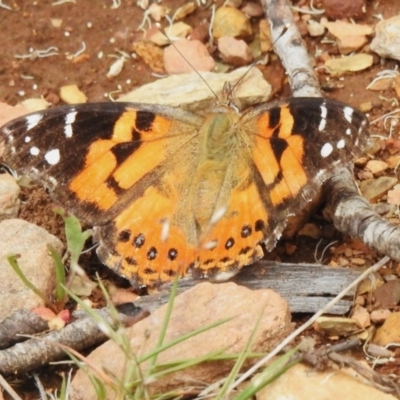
(216, 149)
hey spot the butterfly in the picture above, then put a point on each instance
(171, 192)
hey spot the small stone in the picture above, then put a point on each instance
(340, 9)
(335, 326)
(376, 166)
(234, 51)
(350, 37)
(379, 316)
(310, 230)
(151, 54)
(156, 11)
(380, 84)
(315, 28)
(231, 22)
(389, 332)
(397, 85)
(370, 284)
(393, 161)
(193, 50)
(35, 104)
(71, 94)
(361, 316)
(252, 10)
(393, 197)
(175, 31)
(387, 295)
(366, 106)
(9, 193)
(265, 36)
(375, 189)
(359, 262)
(185, 10)
(357, 62)
(386, 42)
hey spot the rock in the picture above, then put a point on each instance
(188, 91)
(192, 51)
(397, 85)
(387, 295)
(357, 62)
(393, 161)
(175, 31)
(378, 85)
(379, 316)
(35, 104)
(340, 9)
(393, 197)
(301, 382)
(389, 332)
(315, 28)
(9, 201)
(156, 11)
(202, 305)
(231, 22)
(335, 326)
(151, 54)
(252, 10)
(234, 51)
(350, 37)
(376, 166)
(375, 189)
(361, 316)
(265, 36)
(71, 94)
(310, 230)
(386, 42)
(30, 242)
(185, 10)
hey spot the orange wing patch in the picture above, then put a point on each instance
(104, 171)
(233, 239)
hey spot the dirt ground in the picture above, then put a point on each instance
(30, 30)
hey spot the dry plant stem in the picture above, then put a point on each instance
(354, 216)
(13, 394)
(290, 49)
(33, 353)
(21, 322)
(303, 327)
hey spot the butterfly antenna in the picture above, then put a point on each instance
(163, 31)
(284, 30)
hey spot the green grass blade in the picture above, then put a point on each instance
(273, 371)
(12, 259)
(60, 274)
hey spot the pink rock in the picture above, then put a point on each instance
(198, 307)
(193, 52)
(234, 51)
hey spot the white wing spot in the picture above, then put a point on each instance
(211, 245)
(27, 139)
(340, 144)
(34, 151)
(348, 131)
(322, 124)
(52, 157)
(165, 230)
(69, 120)
(33, 120)
(326, 150)
(218, 214)
(348, 114)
